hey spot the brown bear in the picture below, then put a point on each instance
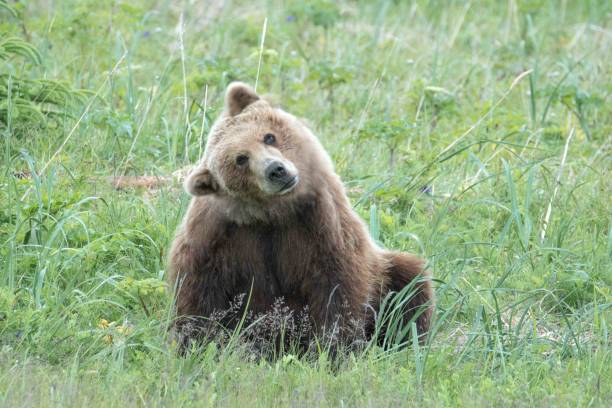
(270, 218)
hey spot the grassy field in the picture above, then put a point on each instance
(476, 134)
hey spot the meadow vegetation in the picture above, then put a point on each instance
(476, 134)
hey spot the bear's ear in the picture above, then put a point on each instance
(201, 182)
(238, 96)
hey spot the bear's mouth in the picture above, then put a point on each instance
(289, 185)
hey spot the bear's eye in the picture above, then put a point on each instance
(269, 139)
(242, 160)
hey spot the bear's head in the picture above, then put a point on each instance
(258, 159)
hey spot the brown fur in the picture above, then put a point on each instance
(307, 246)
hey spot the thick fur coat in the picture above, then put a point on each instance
(270, 217)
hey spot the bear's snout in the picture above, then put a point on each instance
(276, 172)
(281, 177)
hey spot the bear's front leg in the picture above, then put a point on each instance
(199, 293)
(336, 306)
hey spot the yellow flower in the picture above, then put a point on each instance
(125, 330)
(108, 339)
(103, 324)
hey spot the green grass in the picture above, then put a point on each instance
(474, 134)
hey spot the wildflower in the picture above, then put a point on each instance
(125, 330)
(103, 324)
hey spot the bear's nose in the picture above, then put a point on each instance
(276, 172)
